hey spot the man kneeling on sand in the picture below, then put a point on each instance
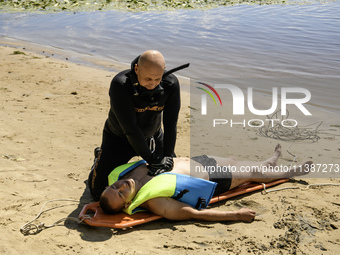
(177, 196)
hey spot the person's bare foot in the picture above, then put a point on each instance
(277, 151)
(273, 160)
(302, 169)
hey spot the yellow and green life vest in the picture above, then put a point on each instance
(193, 191)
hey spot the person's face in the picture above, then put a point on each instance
(120, 193)
(149, 77)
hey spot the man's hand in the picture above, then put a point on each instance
(245, 215)
(165, 165)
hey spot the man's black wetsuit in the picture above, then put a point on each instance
(135, 117)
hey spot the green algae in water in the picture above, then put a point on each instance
(130, 5)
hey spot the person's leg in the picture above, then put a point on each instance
(114, 151)
(264, 171)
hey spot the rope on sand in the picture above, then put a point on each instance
(31, 229)
(265, 191)
(276, 130)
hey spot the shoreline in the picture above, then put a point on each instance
(96, 62)
(61, 54)
(106, 64)
(53, 112)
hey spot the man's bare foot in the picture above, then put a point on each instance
(302, 169)
(277, 151)
(272, 161)
(288, 171)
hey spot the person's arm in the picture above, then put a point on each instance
(174, 210)
(170, 117)
(122, 106)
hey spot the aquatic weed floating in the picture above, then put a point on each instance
(130, 5)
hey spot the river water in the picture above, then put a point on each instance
(252, 41)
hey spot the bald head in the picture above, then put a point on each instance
(150, 68)
(152, 58)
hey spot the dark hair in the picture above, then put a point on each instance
(104, 203)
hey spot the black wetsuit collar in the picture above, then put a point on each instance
(140, 90)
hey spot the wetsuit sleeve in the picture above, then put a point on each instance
(123, 108)
(170, 117)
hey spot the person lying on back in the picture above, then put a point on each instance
(183, 194)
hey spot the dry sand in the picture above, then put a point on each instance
(52, 114)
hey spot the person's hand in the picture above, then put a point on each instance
(165, 165)
(245, 214)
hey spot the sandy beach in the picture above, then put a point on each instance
(52, 115)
